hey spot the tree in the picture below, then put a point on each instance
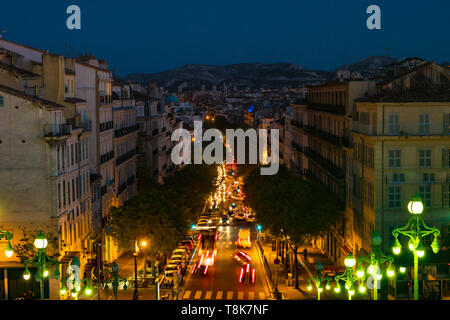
(288, 205)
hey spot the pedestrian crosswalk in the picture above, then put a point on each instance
(218, 295)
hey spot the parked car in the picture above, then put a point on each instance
(251, 217)
(188, 243)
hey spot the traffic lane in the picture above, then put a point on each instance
(224, 275)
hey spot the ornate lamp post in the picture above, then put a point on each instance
(319, 280)
(8, 236)
(116, 280)
(375, 259)
(415, 230)
(41, 261)
(347, 277)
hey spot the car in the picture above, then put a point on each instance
(242, 258)
(202, 221)
(202, 225)
(239, 216)
(170, 273)
(179, 253)
(251, 217)
(179, 262)
(188, 243)
(244, 238)
(247, 274)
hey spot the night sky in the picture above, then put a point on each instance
(152, 36)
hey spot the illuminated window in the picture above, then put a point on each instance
(2, 101)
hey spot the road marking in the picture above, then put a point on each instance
(198, 294)
(208, 294)
(219, 295)
(229, 295)
(262, 296)
(251, 295)
(241, 295)
(187, 294)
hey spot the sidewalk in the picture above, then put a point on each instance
(306, 270)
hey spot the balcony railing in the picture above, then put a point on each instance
(337, 141)
(326, 164)
(126, 156)
(104, 99)
(124, 131)
(57, 130)
(106, 157)
(327, 108)
(106, 126)
(297, 124)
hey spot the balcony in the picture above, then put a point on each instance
(131, 180)
(124, 131)
(297, 124)
(328, 137)
(106, 157)
(326, 164)
(297, 147)
(126, 156)
(106, 126)
(327, 108)
(104, 99)
(57, 130)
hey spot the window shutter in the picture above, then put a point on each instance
(446, 123)
(445, 158)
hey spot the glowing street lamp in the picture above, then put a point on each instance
(41, 261)
(319, 280)
(8, 236)
(375, 259)
(415, 230)
(347, 277)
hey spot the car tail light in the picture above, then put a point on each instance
(216, 236)
(200, 251)
(207, 253)
(248, 267)
(239, 241)
(253, 275)
(201, 259)
(206, 269)
(215, 252)
(193, 269)
(240, 276)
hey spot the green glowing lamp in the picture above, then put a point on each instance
(360, 272)
(415, 206)
(350, 261)
(402, 269)
(390, 271)
(337, 287)
(9, 250)
(362, 288)
(420, 251)
(309, 287)
(26, 273)
(435, 245)
(397, 247)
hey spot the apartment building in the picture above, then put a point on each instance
(156, 119)
(321, 130)
(125, 143)
(44, 134)
(94, 85)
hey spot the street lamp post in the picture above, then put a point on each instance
(7, 236)
(116, 280)
(319, 280)
(415, 230)
(135, 252)
(144, 245)
(347, 277)
(375, 259)
(41, 261)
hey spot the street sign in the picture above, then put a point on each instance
(276, 261)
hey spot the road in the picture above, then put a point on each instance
(221, 280)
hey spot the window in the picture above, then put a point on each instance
(394, 123)
(425, 194)
(395, 158)
(370, 200)
(446, 123)
(71, 154)
(424, 124)
(64, 194)
(2, 101)
(395, 197)
(428, 178)
(398, 178)
(425, 158)
(59, 195)
(446, 196)
(73, 190)
(370, 161)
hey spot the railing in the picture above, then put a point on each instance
(327, 107)
(106, 157)
(106, 126)
(297, 124)
(337, 172)
(126, 156)
(124, 131)
(57, 130)
(104, 99)
(337, 141)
